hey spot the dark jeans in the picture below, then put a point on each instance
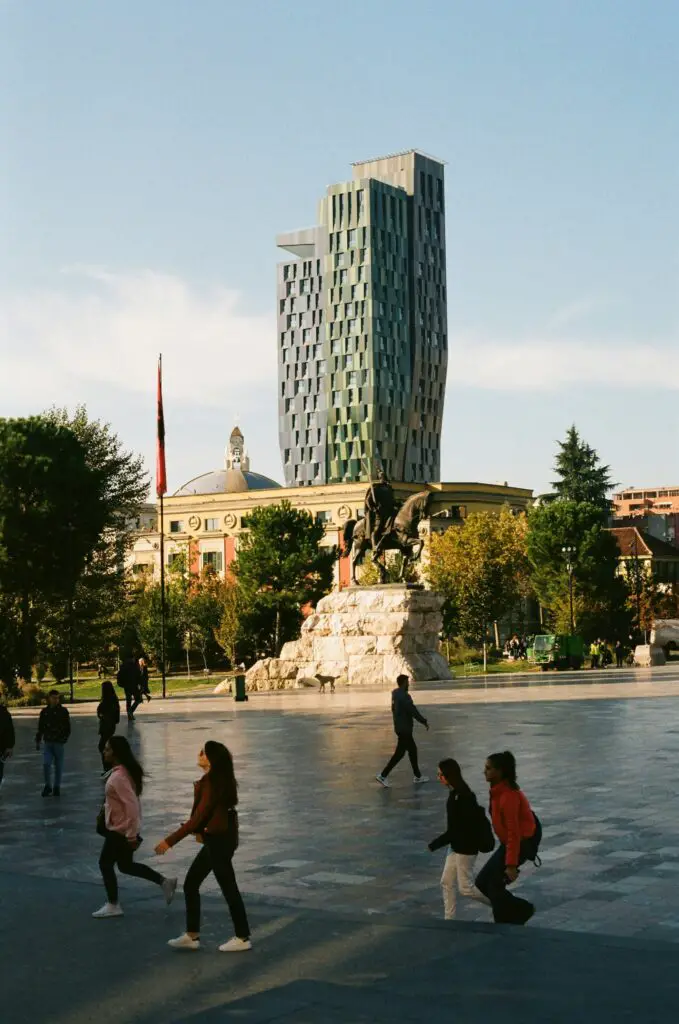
(117, 850)
(132, 701)
(619, 660)
(595, 660)
(491, 881)
(405, 745)
(52, 753)
(215, 855)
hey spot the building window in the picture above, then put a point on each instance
(324, 517)
(176, 526)
(213, 560)
(174, 556)
(352, 237)
(212, 524)
(339, 259)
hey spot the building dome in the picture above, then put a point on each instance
(236, 476)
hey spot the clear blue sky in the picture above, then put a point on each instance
(152, 149)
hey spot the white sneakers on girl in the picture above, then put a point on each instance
(109, 910)
(184, 942)
(235, 946)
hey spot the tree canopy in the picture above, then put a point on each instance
(581, 477)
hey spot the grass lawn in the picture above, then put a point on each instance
(90, 689)
(504, 667)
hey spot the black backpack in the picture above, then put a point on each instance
(485, 839)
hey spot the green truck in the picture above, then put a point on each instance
(558, 651)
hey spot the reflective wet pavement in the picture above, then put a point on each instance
(317, 832)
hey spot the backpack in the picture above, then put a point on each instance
(537, 839)
(484, 832)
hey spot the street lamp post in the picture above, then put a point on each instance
(569, 553)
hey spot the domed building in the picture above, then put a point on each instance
(236, 476)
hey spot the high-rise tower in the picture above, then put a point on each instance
(362, 331)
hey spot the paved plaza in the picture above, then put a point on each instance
(332, 865)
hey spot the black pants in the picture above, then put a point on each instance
(104, 736)
(595, 661)
(132, 700)
(405, 745)
(619, 660)
(216, 855)
(491, 881)
(117, 850)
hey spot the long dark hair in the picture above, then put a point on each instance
(108, 694)
(505, 763)
(221, 773)
(452, 773)
(122, 752)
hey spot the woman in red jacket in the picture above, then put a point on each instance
(214, 822)
(519, 833)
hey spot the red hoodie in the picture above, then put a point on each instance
(512, 819)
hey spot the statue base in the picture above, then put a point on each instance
(361, 636)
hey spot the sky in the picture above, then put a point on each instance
(151, 150)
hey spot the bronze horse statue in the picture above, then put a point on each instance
(404, 536)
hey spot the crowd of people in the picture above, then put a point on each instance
(213, 821)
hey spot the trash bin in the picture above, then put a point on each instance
(239, 688)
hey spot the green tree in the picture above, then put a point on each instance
(204, 610)
(581, 475)
(281, 567)
(481, 569)
(51, 517)
(227, 633)
(599, 591)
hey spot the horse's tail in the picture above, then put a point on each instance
(348, 535)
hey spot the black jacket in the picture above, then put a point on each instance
(7, 738)
(462, 814)
(404, 711)
(108, 714)
(54, 725)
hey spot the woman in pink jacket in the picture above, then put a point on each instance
(122, 821)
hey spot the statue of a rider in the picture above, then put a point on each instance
(380, 511)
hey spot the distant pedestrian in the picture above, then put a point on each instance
(404, 713)
(519, 832)
(7, 739)
(108, 714)
(129, 679)
(119, 822)
(54, 727)
(619, 654)
(594, 653)
(144, 679)
(465, 822)
(214, 822)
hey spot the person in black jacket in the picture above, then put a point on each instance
(7, 738)
(54, 725)
(129, 680)
(404, 713)
(108, 714)
(461, 836)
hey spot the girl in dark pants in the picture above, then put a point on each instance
(214, 821)
(519, 833)
(108, 714)
(121, 825)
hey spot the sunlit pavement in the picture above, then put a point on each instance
(320, 841)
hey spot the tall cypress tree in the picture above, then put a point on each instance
(581, 475)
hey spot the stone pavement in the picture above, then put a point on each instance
(320, 841)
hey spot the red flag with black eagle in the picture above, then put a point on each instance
(161, 475)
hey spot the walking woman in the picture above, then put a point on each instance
(464, 823)
(108, 714)
(121, 824)
(519, 832)
(214, 822)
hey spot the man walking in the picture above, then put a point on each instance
(404, 712)
(54, 726)
(130, 679)
(7, 739)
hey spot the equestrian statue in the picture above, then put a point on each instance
(385, 528)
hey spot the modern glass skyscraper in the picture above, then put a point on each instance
(362, 329)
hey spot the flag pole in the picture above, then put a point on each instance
(161, 487)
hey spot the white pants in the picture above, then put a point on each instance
(458, 873)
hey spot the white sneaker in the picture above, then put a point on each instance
(169, 888)
(382, 781)
(421, 779)
(235, 946)
(109, 910)
(184, 942)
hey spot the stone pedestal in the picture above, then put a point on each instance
(647, 655)
(361, 636)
